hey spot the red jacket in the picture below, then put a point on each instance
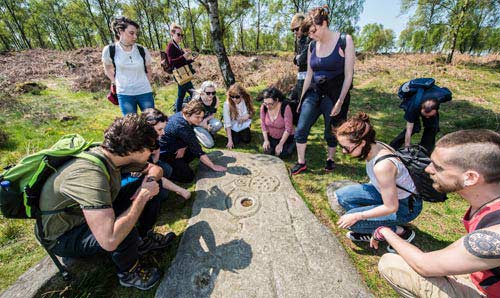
(175, 55)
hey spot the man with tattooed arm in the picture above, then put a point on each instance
(466, 162)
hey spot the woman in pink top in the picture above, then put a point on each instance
(277, 124)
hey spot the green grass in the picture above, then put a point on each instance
(34, 123)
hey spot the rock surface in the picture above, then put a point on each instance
(251, 235)
(332, 198)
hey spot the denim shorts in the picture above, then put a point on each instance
(128, 103)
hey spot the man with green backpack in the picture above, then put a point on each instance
(79, 207)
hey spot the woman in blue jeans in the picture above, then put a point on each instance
(330, 68)
(382, 201)
(129, 70)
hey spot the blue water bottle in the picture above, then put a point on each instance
(5, 184)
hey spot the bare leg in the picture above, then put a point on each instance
(331, 152)
(301, 153)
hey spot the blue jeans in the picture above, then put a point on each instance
(181, 93)
(361, 197)
(129, 103)
(313, 106)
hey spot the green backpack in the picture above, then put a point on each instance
(22, 183)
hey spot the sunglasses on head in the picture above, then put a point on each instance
(210, 93)
(154, 120)
(349, 150)
(235, 96)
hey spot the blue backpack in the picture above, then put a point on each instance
(416, 91)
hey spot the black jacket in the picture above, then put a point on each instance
(300, 58)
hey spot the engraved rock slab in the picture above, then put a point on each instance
(251, 235)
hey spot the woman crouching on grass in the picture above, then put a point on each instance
(382, 201)
(277, 124)
(238, 111)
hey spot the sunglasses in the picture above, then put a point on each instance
(154, 120)
(296, 29)
(180, 34)
(210, 93)
(349, 150)
(235, 96)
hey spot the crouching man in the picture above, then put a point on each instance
(466, 162)
(90, 214)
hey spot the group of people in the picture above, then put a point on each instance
(146, 154)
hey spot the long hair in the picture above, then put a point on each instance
(237, 89)
(357, 129)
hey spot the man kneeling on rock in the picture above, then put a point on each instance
(97, 216)
(466, 162)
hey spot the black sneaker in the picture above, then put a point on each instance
(140, 277)
(330, 165)
(358, 237)
(298, 168)
(155, 241)
(407, 235)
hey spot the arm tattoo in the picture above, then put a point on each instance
(483, 244)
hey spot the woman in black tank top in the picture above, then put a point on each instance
(330, 68)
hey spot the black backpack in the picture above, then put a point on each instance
(416, 91)
(416, 159)
(293, 107)
(142, 52)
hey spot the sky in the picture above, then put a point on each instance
(385, 12)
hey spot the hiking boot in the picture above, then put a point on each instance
(298, 168)
(155, 241)
(359, 237)
(407, 235)
(139, 277)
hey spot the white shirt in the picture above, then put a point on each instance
(403, 177)
(130, 77)
(241, 108)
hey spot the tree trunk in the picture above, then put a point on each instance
(258, 26)
(107, 18)
(18, 24)
(242, 37)
(220, 50)
(428, 25)
(102, 34)
(191, 23)
(456, 32)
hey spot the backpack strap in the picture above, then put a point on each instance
(143, 55)
(395, 156)
(342, 41)
(284, 104)
(112, 51)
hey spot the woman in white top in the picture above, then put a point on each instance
(238, 111)
(210, 125)
(130, 73)
(381, 202)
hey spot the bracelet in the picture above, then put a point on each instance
(377, 235)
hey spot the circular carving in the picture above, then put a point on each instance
(246, 202)
(265, 184)
(242, 205)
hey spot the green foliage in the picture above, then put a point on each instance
(374, 38)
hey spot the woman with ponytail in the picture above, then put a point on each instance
(128, 66)
(384, 201)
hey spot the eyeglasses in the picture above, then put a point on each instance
(349, 150)
(235, 96)
(269, 103)
(296, 29)
(154, 120)
(210, 93)
(180, 34)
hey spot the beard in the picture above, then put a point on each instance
(453, 186)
